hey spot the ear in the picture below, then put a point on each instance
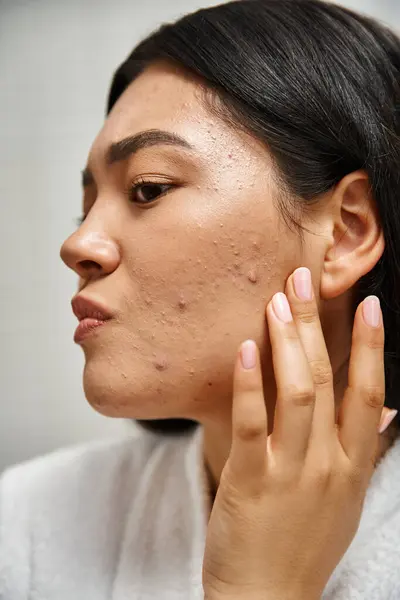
(357, 241)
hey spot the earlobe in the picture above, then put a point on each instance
(357, 240)
(336, 279)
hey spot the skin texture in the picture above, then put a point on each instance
(189, 277)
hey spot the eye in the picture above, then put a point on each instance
(146, 191)
(152, 190)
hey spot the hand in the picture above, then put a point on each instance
(289, 504)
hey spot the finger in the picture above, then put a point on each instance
(248, 454)
(295, 390)
(306, 316)
(361, 408)
(387, 416)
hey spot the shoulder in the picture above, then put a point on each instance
(71, 485)
(58, 473)
(64, 511)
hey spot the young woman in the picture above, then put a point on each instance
(239, 287)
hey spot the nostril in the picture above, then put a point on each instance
(87, 265)
(87, 268)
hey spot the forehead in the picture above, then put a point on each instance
(164, 96)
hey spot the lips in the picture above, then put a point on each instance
(84, 308)
(91, 315)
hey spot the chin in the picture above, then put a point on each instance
(112, 394)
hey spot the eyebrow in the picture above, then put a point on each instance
(128, 146)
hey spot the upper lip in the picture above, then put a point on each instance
(84, 308)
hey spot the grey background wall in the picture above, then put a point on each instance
(56, 61)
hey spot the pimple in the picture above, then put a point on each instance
(160, 364)
(182, 304)
(252, 276)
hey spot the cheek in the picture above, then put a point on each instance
(192, 302)
(227, 291)
(212, 282)
(213, 299)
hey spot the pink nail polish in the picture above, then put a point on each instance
(302, 283)
(371, 311)
(387, 420)
(281, 307)
(248, 354)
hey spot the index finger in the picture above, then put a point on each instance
(360, 412)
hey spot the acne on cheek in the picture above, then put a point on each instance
(239, 270)
(161, 364)
(160, 361)
(251, 274)
(182, 305)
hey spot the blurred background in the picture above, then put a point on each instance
(56, 63)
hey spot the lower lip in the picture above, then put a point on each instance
(85, 328)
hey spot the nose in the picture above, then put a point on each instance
(90, 253)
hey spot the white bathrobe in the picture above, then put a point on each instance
(124, 520)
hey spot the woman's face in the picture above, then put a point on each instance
(187, 277)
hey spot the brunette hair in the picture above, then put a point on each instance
(319, 85)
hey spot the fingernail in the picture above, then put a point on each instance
(302, 283)
(371, 311)
(248, 354)
(281, 307)
(387, 420)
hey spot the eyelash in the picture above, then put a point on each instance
(131, 190)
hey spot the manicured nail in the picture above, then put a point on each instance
(387, 420)
(281, 307)
(372, 311)
(302, 283)
(248, 354)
